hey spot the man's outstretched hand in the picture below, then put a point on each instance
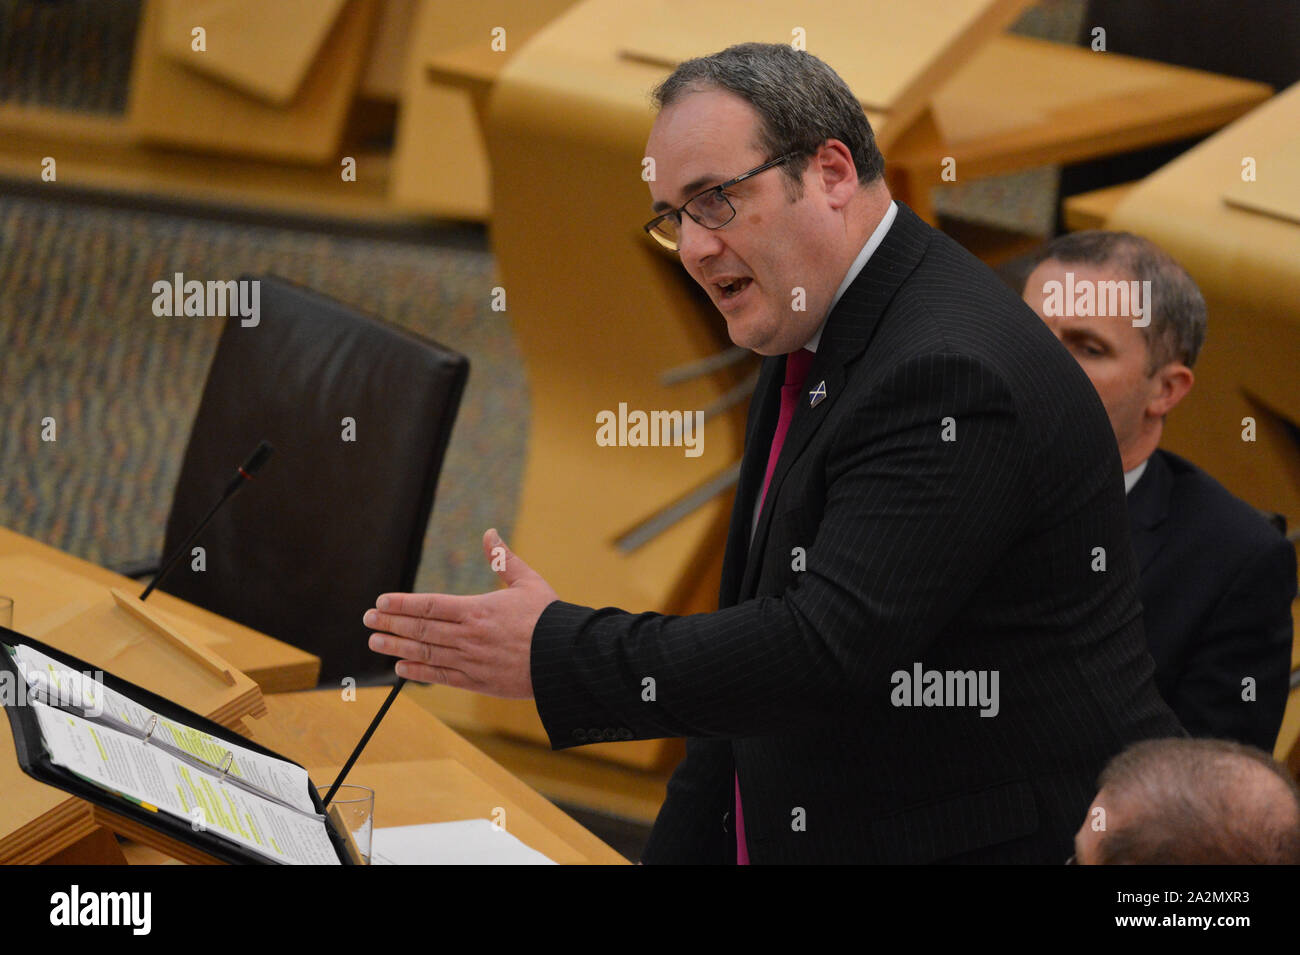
(480, 643)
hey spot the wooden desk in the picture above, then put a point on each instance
(52, 589)
(173, 104)
(473, 68)
(1016, 104)
(101, 153)
(420, 770)
(1091, 210)
(277, 667)
(439, 163)
(424, 771)
(1021, 103)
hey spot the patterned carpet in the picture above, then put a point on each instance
(79, 343)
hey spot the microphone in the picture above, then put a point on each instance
(365, 738)
(261, 454)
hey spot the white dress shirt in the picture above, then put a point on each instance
(873, 242)
(1132, 477)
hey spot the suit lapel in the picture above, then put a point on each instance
(844, 339)
(1148, 506)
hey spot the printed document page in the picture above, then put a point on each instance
(286, 780)
(159, 782)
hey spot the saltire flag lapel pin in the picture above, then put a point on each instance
(817, 394)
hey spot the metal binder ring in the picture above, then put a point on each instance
(153, 725)
(226, 764)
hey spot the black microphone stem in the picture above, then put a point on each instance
(244, 474)
(184, 548)
(370, 731)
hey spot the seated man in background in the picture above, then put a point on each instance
(1192, 802)
(1217, 579)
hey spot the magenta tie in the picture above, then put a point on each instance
(796, 370)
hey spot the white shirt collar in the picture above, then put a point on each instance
(1132, 477)
(872, 244)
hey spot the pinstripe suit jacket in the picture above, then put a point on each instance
(950, 504)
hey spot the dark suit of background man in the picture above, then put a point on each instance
(944, 493)
(1217, 578)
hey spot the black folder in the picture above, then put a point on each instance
(35, 762)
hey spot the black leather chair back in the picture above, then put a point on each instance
(360, 413)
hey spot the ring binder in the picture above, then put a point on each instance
(38, 756)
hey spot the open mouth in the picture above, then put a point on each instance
(735, 287)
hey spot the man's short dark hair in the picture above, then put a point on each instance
(1199, 802)
(801, 103)
(1178, 316)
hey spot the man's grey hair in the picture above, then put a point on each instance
(801, 103)
(1198, 802)
(1178, 316)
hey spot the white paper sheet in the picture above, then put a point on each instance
(465, 842)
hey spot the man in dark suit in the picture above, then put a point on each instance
(928, 641)
(1217, 578)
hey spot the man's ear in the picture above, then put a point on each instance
(839, 175)
(1170, 385)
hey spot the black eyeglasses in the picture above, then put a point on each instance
(710, 208)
